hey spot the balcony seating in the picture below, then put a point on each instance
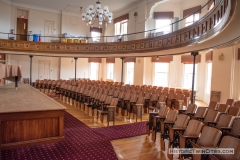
(209, 139)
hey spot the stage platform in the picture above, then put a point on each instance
(29, 117)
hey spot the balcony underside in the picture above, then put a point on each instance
(219, 28)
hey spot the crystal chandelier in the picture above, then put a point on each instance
(103, 15)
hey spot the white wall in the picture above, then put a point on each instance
(5, 19)
(25, 62)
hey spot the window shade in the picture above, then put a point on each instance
(162, 59)
(188, 59)
(95, 29)
(209, 57)
(130, 59)
(121, 18)
(163, 15)
(110, 60)
(190, 11)
(95, 60)
(210, 3)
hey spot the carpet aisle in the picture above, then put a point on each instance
(81, 142)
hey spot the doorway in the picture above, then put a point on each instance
(48, 30)
(44, 70)
(22, 28)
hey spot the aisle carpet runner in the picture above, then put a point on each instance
(81, 142)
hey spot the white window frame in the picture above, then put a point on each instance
(94, 74)
(155, 65)
(96, 36)
(191, 19)
(121, 28)
(163, 26)
(187, 83)
(110, 70)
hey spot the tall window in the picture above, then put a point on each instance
(121, 29)
(188, 73)
(110, 69)
(191, 19)
(96, 36)
(209, 77)
(161, 74)
(163, 25)
(94, 68)
(130, 73)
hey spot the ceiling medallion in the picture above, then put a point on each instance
(102, 15)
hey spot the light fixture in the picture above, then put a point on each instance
(135, 14)
(102, 15)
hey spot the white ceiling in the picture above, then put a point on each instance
(74, 5)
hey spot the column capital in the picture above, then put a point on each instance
(194, 53)
(31, 56)
(76, 58)
(122, 58)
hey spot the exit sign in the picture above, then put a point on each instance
(22, 17)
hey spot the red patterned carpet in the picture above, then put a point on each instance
(81, 142)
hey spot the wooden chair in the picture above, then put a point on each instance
(125, 101)
(228, 142)
(191, 133)
(209, 139)
(237, 104)
(212, 116)
(200, 113)
(224, 123)
(230, 102)
(137, 108)
(130, 105)
(234, 111)
(223, 108)
(212, 105)
(235, 130)
(178, 103)
(153, 102)
(191, 109)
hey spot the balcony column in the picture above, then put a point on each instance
(122, 58)
(31, 56)
(194, 54)
(75, 68)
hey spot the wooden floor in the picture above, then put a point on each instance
(133, 148)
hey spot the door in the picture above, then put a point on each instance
(44, 70)
(22, 28)
(48, 30)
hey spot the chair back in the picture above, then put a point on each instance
(209, 137)
(140, 100)
(229, 142)
(163, 111)
(230, 102)
(194, 128)
(162, 98)
(201, 112)
(171, 116)
(212, 105)
(114, 102)
(234, 111)
(235, 127)
(191, 108)
(154, 97)
(225, 121)
(212, 116)
(237, 104)
(182, 121)
(223, 108)
(134, 98)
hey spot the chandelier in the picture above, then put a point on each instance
(91, 15)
